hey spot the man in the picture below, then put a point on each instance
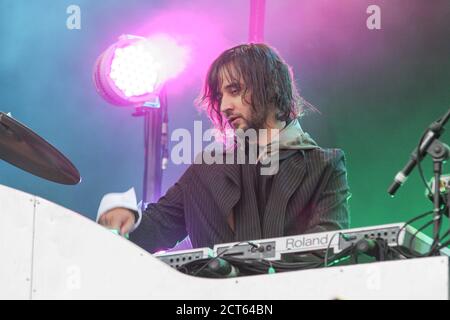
(247, 87)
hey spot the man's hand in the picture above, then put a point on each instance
(120, 219)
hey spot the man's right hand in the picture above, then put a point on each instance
(120, 219)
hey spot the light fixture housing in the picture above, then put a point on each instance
(126, 74)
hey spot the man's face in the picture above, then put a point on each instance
(234, 107)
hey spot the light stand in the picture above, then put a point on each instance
(155, 145)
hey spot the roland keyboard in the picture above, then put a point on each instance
(395, 235)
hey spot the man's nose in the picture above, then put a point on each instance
(226, 106)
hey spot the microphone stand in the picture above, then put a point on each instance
(430, 144)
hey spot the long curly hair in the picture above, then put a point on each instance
(267, 78)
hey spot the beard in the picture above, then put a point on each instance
(255, 122)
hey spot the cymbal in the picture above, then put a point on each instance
(23, 148)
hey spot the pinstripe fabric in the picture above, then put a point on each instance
(309, 194)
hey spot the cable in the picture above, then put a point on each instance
(345, 237)
(445, 235)
(412, 253)
(223, 252)
(409, 222)
(260, 266)
(416, 233)
(325, 261)
(433, 248)
(419, 165)
(445, 244)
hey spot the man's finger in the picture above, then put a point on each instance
(115, 223)
(103, 220)
(126, 226)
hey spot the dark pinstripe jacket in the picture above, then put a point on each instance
(212, 204)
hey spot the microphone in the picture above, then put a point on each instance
(433, 133)
(402, 175)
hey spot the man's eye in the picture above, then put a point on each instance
(234, 91)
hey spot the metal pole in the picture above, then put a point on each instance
(257, 19)
(152, 155)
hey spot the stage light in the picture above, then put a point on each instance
(133, 70)
(125, 74)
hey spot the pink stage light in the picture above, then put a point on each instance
(133, 70)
